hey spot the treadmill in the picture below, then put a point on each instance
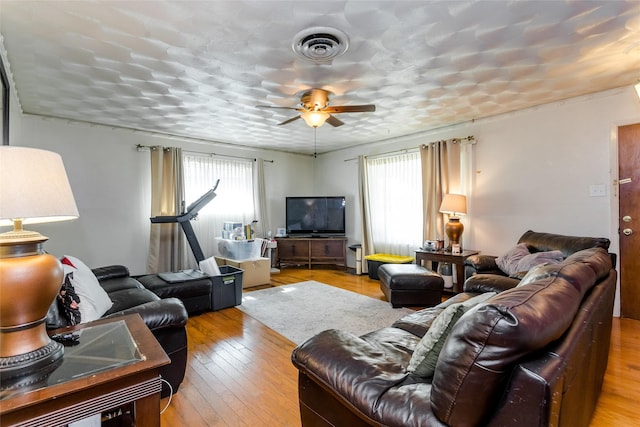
(184, 219)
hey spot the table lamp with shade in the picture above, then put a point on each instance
(453, 205)
(33, 189)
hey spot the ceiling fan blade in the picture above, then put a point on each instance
(350, 109)
(276, 106)
(289, 120)
(334, 121)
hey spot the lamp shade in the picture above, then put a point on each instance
(315, 118)
(637, 88)
(34, 187)
(454, 204)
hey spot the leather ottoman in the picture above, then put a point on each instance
(410, 285)
(194, 294)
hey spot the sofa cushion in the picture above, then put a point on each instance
(120, 283)
(540, 242)
(94, 301)
(110, 272)
(130, 298)
(508, 262)
(158, 314)
(518, 260)
(480, 283)
(538, 272)
(419, 322)
(425, 356)
(486, 343)
(366, 372)
(529, 261)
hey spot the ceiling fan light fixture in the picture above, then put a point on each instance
(637, 88)
(315, 119)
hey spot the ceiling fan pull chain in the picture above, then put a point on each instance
(315, 140)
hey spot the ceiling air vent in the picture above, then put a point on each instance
(320, 44)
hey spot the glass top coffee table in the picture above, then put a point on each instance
(105, 364)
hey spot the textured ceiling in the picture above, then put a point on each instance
(199, 68)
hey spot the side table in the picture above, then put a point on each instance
(441, 256)
(115, 361)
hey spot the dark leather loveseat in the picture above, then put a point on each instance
(166, 318)
(531, 355)
(536, 242)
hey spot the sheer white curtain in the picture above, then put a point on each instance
(395, 201)
(262, 211)
(365, 207)
(234, 199)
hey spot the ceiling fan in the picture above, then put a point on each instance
(315, 109)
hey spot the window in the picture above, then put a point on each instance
(234, 195)
(395, 198)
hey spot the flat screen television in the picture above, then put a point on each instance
(315, 216)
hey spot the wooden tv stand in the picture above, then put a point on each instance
(312, 251)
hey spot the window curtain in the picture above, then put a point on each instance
(363, 187)
(262, 212)
(440, 175)
(234, 199)
(395, 202)
(167, 241)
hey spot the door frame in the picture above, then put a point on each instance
(614, 197)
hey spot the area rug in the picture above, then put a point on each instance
(304, 309)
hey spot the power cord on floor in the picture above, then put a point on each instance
(170, 395)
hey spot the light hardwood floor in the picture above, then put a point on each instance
(239, 372)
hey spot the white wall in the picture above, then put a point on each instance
(110, 179)
(532, 170)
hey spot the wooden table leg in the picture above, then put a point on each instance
(457, 287)
(148, 411)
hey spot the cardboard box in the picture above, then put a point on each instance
(257, 271)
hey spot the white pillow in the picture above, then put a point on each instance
(94, 300)
(425, 356)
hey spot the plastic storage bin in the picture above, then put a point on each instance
(237, 249)
(227, 288)
(376, 260)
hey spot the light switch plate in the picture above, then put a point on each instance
(597, 190)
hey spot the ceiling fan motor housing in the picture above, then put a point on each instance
(315, 99)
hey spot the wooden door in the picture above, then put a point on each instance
(629, 220)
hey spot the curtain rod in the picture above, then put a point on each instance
(141, 147)
(470, 139)
(401, 151)
(386, 153)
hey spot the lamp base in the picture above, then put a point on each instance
(29, 282)
(454, 229)
(30, 368)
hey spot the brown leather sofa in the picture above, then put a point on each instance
(532, 355)
(166, 318)
(536, 242)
